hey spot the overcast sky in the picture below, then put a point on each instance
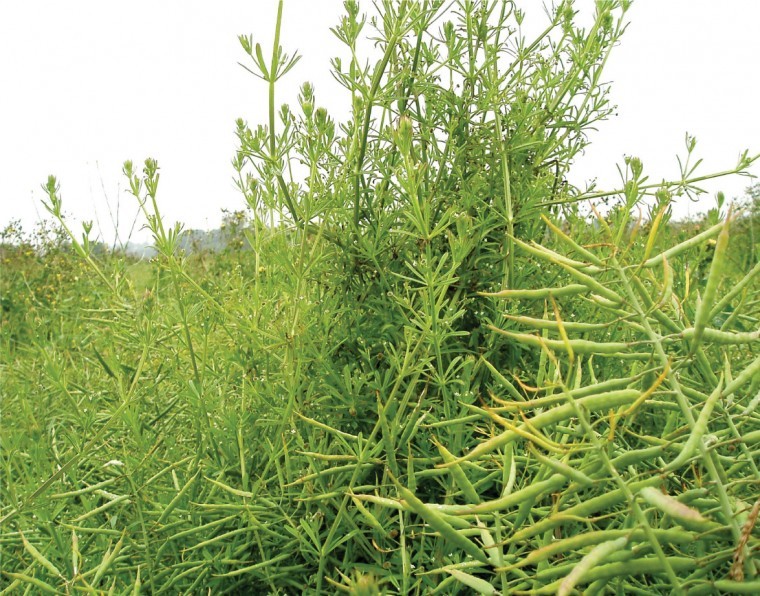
(89, 84)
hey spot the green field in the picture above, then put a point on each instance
(421, 363)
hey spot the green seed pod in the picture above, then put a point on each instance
(39, 557)
(458, 474)
(438, 523)
(698, 432)
(713, 280)
(533, 491)
(684, 246)
(595, 556)
(722, 337)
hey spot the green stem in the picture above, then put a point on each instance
(272, 79)
(376, 78)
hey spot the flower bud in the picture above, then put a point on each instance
(321, 118)
(307, 91)
(663, 196)
(403, 135)
(358, 102)
(352, 8)
(636, 166)
(448, 31)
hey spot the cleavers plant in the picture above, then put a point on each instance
(433, 371)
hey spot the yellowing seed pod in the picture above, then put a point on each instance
(653, 233)
(678, 511)
(539, 294)
(595, 556)
(489, 544)
(579, 346)
(478, 584)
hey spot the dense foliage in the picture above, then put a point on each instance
(423, 363)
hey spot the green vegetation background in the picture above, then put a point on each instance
(419, 364)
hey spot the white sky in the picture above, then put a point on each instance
(87, 84)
